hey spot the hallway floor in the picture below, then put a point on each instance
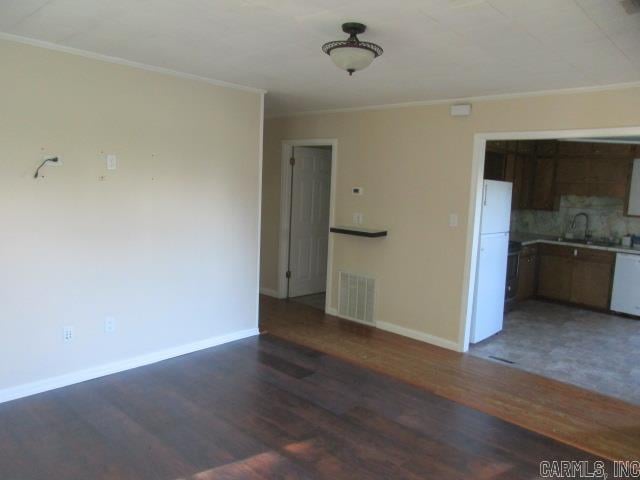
(315, 300)
(592, 350)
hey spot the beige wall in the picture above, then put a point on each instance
(415, 165)
(167, 244)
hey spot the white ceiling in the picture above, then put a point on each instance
(434, 49)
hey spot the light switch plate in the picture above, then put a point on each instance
(112, 162)
(109, 324)
(453, 220)
(357, 191)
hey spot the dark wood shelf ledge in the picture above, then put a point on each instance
(359, 232)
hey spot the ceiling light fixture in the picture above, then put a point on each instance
(352, 54)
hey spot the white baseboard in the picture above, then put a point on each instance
(416, 335)
(405, 332)
(24, 390)
(334, 312)
(269, 292)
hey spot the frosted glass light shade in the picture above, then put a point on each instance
(352, 59)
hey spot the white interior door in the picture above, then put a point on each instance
(310, 220)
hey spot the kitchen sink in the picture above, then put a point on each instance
(590, 241)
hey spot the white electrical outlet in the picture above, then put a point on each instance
(109, 325)
(67, 333)
(358, 218)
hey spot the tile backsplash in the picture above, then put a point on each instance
(606, 218)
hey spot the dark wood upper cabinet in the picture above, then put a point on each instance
(579, 189)
(512, 162)
(615, 190)
(494, 165)
(612, 149)
(543, 191)
(525, 188)
(571, 170)
(546, 148)
(571, 177)
(609, 170)
(510, 167)
(575, 149)
(593, 176)
(543, 171)
(498, 146)
(526, 146)
(517, 178)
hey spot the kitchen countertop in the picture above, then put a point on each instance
(530, 239)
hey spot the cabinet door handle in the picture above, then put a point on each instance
(575, 252)
(484, 195)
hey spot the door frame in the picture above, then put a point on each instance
(475, 204)
(285, 205)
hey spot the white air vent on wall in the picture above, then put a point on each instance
(356, 297)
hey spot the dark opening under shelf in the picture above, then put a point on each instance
(359, 232)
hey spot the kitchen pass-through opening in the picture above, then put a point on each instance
(556, 287)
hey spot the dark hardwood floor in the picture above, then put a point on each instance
(260, 408)
(602, 425)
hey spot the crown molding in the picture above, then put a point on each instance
(446, 101)
(128, 63)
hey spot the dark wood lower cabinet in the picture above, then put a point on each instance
(577, 275)
(527, 273)
(554, 280)
(591, 284)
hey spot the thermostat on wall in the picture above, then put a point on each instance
(357, 190)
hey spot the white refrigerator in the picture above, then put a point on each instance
(491, 273)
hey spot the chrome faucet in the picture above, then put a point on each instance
(586, 223)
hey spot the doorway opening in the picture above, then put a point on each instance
(307, 200)
(555, 256)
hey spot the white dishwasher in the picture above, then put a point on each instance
(626, 284)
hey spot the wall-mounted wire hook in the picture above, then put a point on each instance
(51, 159)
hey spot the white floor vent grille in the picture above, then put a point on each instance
(356, 297)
